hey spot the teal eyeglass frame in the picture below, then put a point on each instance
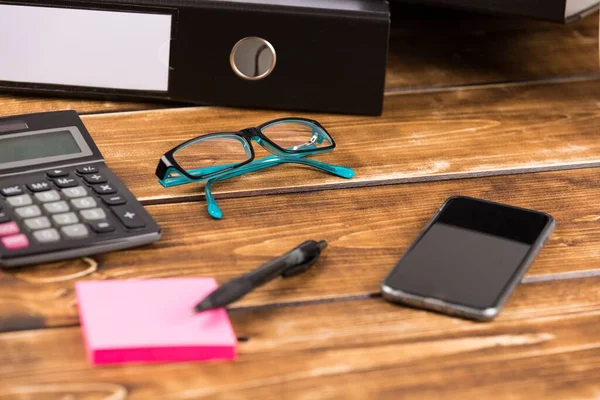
(170, 173)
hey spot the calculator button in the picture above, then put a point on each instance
(102, 226)
(39, 186)
(114, 200)
(12, 190)
(9, 228)
(4, 217)
(65, 182)
(87, 170)
(57, 207)
(15, 242)
(28, 212)
(65, 219)
(129, 217)
(19, 201)
(104, 189)
(37, 223)
(77, 191)
(75, 231)
(93, 215)
(96, 178)
(57, 173)
(84, 202)
(47, 235)
(46, 197)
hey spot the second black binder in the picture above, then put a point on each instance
(322, 55)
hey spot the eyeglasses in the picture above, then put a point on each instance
(219, 156)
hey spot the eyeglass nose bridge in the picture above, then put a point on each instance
(249, 133)
(255, 134)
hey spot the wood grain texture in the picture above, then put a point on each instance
(435, 48)
(545, 344)
(368, 230)
(19, 104)
(466, 96)
(442, 135)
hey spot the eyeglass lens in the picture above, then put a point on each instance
(297, 135)
(213, 154)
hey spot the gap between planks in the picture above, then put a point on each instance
(170, 107)
(351, 298)
(489, 85)
(350, 184)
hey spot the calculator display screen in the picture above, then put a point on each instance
(31, 148)
(37, 146)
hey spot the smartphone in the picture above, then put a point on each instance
(469, 258)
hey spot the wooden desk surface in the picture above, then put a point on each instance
(508, 110)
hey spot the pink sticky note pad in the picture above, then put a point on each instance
(152, 321)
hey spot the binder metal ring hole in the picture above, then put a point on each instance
(253, 58)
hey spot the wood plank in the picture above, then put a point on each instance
(368, 230)
(434, 48)
(420, 137)
(19, 104)
(545, 344)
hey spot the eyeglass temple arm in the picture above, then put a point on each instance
(181, 179)
(270, 161)
(169, 181)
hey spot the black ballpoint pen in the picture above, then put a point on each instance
(294, 262)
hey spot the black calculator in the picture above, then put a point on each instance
(58, 199)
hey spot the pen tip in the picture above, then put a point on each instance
(322, 244)
(204, 305)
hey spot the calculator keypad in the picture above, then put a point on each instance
(9, 228)
(74, 192)
(48, 196)
(76, 231)
(18, 201)
(28, 212)
(56, 207)
(11, 190)
(15, 242)
(64, 206)
(47, 235)
(128, 217)
(84, 202)
(57, 173)
(37, 223)
(114, 200)
(65, 219)
(102, 226)
(94, 214)
(39, 186)
(104, 189)
(88, 169)
(65, 182)
(95, 178)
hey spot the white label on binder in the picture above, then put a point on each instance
(91, 48)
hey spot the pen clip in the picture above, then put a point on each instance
(298, 269)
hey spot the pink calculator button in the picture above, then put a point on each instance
(15, 242)
(10, 228)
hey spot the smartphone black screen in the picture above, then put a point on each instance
(469, 253)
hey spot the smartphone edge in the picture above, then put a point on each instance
(484, 315)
